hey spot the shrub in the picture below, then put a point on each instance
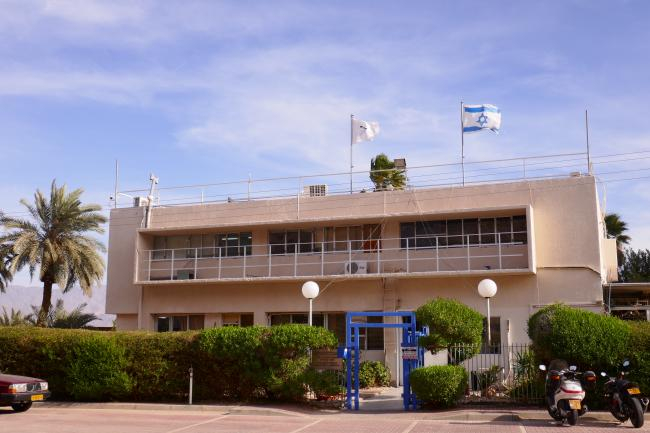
(325, 385)
(95, 370)
(451, 322)
(373, 373)
(590, 340)
(640, 355)
(439, 386)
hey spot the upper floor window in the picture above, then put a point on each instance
(206, 245)
(364, 237)
(291, 241)
(467, 231)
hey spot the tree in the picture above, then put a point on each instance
(384, 175)
(58, 317)
(635, 267)
(55, 244)
(451, 323)
(15, 318)
(5, 258)
(616, 229)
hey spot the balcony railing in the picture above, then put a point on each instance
(423, 255)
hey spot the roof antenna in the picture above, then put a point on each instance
(150, 198)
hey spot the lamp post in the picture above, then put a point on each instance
(487, 288)
(310, 290)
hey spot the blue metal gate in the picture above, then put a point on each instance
(412, 354)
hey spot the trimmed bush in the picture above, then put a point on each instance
(439, 386)
(96, 369)
(451, 323)
(589, 340)
(640, 355)
(373, 373)
(326, 385)
(228, 363)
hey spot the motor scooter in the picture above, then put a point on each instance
(624, 398)
(565, 392)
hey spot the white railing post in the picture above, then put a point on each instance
(350, 254)
(408, 256)
(378, 258)
(196, 262)
(322, 258)
(499, 249)
(150, 259)
(172, 266)
(219, 271)
(295, 260)
(270, 260)
(437, 256)
(469, 266)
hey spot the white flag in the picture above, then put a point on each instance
(364, 131)
(478, 117)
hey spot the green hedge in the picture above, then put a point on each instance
(229, 362)
(592, 342)
(373, 373)
(581, 337)
(439, 386)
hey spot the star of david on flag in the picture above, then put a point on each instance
(478, 117)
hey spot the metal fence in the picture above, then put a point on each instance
(499, 373)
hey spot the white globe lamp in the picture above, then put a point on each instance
(310, 290)
(487, 289)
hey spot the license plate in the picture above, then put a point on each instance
(634, 391)
(574, 404)
(37, 397)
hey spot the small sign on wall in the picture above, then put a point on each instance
(410, 353)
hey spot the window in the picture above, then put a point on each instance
(291, 241)
(208, 245)
(369, 338)
(457, 232)
(237, 319)
(179, 322)
(495, 331)
(318, 319)
(364, 237)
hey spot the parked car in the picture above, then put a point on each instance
(20, 392)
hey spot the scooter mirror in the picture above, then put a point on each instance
(542, 367)
(602, 373)
(573, 368)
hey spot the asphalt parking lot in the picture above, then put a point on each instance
(84, 419)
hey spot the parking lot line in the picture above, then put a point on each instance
(306, 426)
(196, 424)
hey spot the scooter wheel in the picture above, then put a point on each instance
(636, 413)
(572, 417)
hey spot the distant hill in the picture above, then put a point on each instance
(23, 297)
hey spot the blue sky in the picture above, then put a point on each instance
(209, 91)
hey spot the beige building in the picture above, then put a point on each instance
(244, 262)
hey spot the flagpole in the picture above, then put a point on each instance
(587, 132)
(462, 143)
(351, 142)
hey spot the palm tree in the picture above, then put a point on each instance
(55, 244)
(15, 318)
(383, 173)
(616, 229)
(5, 258)
(58, 317)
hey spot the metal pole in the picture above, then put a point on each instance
(462, 143)
(489, 331)
(191, 383)
(310, 310)
(351, 142)
(117, 171)
(587, 133)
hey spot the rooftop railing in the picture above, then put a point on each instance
(413, 256)
(424, 176)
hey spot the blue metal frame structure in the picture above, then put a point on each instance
(409, 339)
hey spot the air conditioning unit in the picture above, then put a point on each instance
(315, 190)
(356, 267)
(140, 201)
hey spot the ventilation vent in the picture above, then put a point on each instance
(316, 190)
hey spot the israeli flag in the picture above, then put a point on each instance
(477, 117)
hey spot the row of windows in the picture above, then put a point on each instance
(364, 237)
(219, 245)
(457, 232)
